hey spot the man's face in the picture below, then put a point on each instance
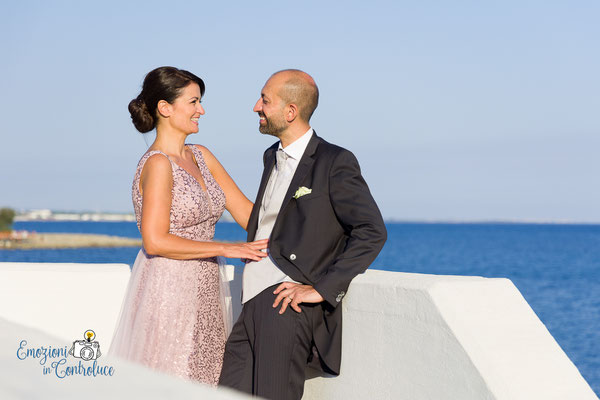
(270, 108)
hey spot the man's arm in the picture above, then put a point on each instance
(360, 218)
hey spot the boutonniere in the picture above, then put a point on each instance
(302, 190)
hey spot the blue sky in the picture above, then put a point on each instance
(456, 110)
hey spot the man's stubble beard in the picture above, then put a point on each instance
(271, 128)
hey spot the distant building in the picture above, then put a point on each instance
(34, 215)
(48, 215)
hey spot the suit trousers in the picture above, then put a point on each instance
(267, 352)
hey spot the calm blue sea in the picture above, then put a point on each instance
(556, 267)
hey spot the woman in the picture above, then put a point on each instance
(172, 317)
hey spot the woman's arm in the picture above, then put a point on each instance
(156, 182)
(236, 202)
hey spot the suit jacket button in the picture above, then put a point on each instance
(292, 257)
(340, 296)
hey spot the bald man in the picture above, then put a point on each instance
(324, 228)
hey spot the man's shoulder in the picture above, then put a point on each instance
(333, 151)
(321, 147)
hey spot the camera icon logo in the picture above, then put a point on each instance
(86, 349)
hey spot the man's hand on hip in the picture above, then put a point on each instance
(293, 294)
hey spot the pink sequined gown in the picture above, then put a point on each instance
(171, 318)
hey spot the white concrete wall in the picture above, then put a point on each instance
(406, 336)
(23, 379)
(64, 300)
(52, 305)
(413, 336)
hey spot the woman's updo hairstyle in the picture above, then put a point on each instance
(163, 83)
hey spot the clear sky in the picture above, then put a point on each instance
(461, 110)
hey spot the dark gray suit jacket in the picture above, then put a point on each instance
(324, 238)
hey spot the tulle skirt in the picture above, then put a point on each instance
(175, 317)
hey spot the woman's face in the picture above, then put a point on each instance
(186, 109)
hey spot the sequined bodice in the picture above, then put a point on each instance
(194, 212)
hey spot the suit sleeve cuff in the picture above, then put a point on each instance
(333, 298)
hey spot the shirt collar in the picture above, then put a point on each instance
(296, 149)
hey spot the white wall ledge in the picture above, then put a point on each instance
(406, 336)
(415, 336)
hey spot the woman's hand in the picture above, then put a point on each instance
(249, 250)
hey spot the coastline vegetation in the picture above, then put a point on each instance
(7, 216)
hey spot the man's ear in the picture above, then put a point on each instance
(164, 108)
(291, 113)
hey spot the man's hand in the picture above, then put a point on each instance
(293, 294)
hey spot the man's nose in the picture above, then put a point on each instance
(258, 106)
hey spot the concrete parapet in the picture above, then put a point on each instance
(25, 379)
(414, 336)
(406, 336)
(64, 300)
(51, 305)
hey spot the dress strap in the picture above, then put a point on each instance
(197, 153)
(150, 154)
(199, 160)
(141, 164)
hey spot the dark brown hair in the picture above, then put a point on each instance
(163, 83)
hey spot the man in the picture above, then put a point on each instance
(324, 228)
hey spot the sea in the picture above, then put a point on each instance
(555, 266)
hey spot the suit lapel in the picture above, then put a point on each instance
(304, 166)
(269, 162)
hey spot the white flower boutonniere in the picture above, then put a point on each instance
(302, 190)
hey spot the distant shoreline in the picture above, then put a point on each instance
(66, 241)
(490, 222)
(387, 221)
(63, 216)
(46, 215)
